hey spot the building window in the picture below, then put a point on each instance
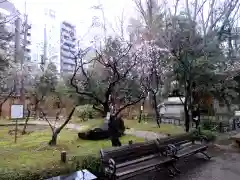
(52, 14)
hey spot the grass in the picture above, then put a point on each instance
(91, 123)
(151, 126)
(143, 126)
(32, 150)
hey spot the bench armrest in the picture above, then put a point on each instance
(203, 139)
(171, 150)
(110, 167)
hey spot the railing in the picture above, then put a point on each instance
(219, 123)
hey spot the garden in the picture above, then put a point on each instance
(120, 86)
(32, 157)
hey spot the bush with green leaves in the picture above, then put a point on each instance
(91, 163)
(200, 134)
(86, 112)
(214, 125)
(208, 124)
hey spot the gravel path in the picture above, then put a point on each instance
(68, 126)
(144, 134)
(44, 123)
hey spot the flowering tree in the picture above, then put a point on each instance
(155, 67)
(110, 78)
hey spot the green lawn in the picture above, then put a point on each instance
(91, 123)
(32, 151)
(151, 126)
(144, 126)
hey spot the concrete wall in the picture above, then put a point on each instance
(6, 107)
(174, 110)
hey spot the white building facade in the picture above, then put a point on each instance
(46, 38)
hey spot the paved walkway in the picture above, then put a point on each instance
(225, 165)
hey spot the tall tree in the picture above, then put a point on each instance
(154, 54)
(192, 32)
(195, 45)
(112, 82)
(155, 67)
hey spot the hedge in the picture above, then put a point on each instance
(91, 163)
(207, 135)
(86, 112)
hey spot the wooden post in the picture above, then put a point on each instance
(130, 142)
(63, 156)
(16, 131)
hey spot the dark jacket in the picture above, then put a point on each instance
(116, 126)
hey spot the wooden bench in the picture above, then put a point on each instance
(183, 145)
(131, 160)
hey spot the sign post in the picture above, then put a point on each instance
(16, 113)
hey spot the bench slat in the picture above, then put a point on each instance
(143, 165)
(137, 160)
(189, 150)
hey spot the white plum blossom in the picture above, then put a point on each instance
(155, 63)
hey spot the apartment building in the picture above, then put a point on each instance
(68, 47)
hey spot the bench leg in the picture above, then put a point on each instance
(171, 172)
(175, 168)
(206, 155)
(112, 177)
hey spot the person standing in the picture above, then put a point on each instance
(114, 130)
(162, 110)
(196, 115)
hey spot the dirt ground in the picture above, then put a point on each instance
(225, 165)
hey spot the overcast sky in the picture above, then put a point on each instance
(78, 12)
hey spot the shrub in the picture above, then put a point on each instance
(91, 163)
(208, 124)
(206, 135)
(86, 112)
(214, 125)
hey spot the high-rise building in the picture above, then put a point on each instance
(68, 47)
(46, 38)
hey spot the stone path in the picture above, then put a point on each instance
(144, 134)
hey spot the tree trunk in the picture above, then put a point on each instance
(53, 141)
(106, 109)
(26, 121)
(157, 114)
(103, 111)
(1, 110)
(141, 111)
(187, 118)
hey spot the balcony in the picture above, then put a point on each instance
(67, 54)
(68, 49)
(27, 50)
(65, 60)
(68, 43)
(68, 24)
